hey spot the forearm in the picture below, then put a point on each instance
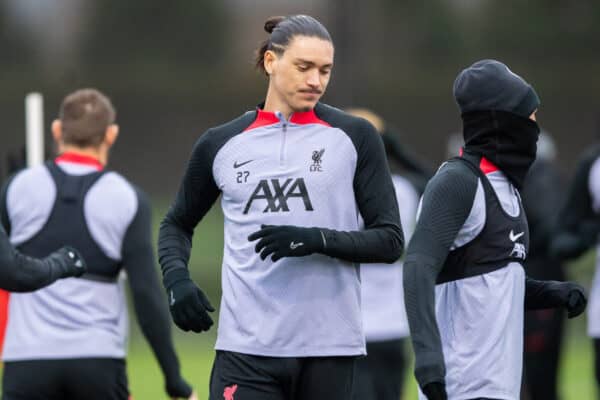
(174, 246)
(196, 195)
(446, 205)
(374, 245)
(420, 272)
(155, 324)
(148, 298)
(20, 273)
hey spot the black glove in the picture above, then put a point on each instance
(178, 387)
(435, 391)
(69, 261)
(287, 241)
(189, 306)
(575, 301)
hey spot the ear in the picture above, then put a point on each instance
(112, 132)
(57, 131)
(270, 61)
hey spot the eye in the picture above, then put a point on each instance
(326, 71)
(303, 67)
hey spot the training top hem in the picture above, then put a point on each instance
(338, 351)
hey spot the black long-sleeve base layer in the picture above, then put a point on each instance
(446, 205)
(380, 241)
(579, 223)
(20, 273)
(148, 298)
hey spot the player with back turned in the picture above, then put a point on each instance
(69, 340)
(294, 176)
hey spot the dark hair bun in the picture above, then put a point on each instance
(271, 23)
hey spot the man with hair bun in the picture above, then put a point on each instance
(68, 341)
(464, 284)
(294, 176)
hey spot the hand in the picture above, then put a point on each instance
(189, 306)
(575, 301)
(435, 391)
(70, 260)
(287, 241)
(178, 388)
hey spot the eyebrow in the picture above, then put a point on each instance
(311, 63)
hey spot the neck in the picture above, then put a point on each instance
(274, 103)
(93, 152)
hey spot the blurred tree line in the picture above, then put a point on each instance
(175, 68)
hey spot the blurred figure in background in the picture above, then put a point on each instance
(380, 375)
(454, 145)
(579, 230)
(69, 340)
(542, 196)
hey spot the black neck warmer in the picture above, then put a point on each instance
(506, 139)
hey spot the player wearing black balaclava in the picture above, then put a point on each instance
(465, 287)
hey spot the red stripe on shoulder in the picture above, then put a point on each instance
(4, 299)
(487, 167)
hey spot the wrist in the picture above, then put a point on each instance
(69, 261)
(319, 242)
(175, 276)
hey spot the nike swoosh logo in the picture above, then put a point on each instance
(294, 246)
(236, 165)
(513, 237)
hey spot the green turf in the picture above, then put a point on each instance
(196, 356)
(196, 351)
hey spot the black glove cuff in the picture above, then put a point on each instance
(178, 387)
(175, 276)
(435, 391)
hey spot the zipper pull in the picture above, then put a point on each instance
(282, 119)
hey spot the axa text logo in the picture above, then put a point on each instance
(277, 194)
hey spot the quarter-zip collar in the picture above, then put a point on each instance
(266, 118)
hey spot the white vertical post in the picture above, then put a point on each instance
(34, 129)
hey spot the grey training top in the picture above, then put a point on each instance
(322, 168)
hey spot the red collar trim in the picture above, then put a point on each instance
(79, 159)
(485, 165)
(308, 117)
(265, 118)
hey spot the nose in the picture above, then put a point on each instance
(312, 79)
